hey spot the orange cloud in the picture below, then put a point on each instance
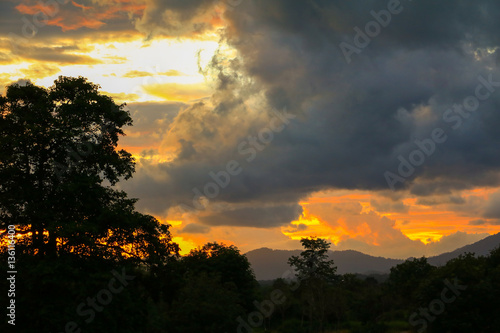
(81, 22)
(341, 221)
(120, 9)
(79, 16)
(35, 9)
(80, 6)
(368, 221)
(350, 221)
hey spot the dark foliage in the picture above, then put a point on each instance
(88, 262)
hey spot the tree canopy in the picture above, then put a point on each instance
(89, 262)
(316, 275)
(58, 164)
(226, 263)
(313, 262)
(219, 286)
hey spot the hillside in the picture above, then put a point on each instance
(269, 264)
(480, 248)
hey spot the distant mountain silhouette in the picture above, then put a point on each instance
(480, 248)
(271, 264)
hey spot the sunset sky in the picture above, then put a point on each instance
(375, 124)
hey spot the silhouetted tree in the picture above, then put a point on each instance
(58, 163)
(313, 263)
(206, 304)
(405, 280)
(229, 264)
(316, 275)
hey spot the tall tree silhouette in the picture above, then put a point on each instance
(58, 164)
(316, 274)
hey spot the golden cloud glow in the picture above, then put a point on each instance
(133, 67)
(186, 245)
(418, 222)
(156, 71)
(178, 92)
(134, 73)
(35, 72)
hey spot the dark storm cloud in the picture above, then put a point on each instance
(194, 228)
(485, 222)
(389, 206)
(434, 201)
(176, 18)
(56, 54)
(358, 118)
(148, 115)
(492, 209)
(354, 120)
(259, 217)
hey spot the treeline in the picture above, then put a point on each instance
(461, 296)
(213, 290)
(204, 291)
(80, 258)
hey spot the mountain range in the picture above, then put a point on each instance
(269, 264)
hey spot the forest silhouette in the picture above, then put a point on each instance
(87, 261)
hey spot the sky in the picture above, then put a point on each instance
(374, 124)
